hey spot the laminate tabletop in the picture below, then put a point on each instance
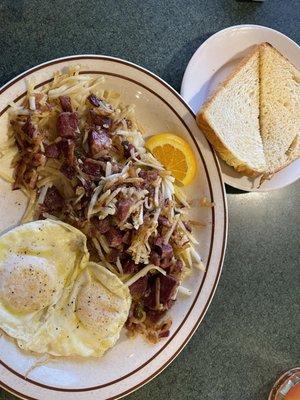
(248, 336)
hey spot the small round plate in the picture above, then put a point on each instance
(214, 60)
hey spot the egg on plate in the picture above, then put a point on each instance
(52, 300)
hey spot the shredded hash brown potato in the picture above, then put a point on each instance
(81, 159)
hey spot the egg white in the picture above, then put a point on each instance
(37, 261)
(52, 300)
(88, 318)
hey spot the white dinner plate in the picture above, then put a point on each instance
(132, 362)
(212, 63)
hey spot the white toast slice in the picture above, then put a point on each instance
(279, 108)
(230, 118)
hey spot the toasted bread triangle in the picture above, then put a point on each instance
(279, 108)
(230, 118)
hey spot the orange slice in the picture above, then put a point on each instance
(175, 154)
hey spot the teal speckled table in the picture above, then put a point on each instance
(248, 336)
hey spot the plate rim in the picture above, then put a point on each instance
(227, 179)
(224, 203)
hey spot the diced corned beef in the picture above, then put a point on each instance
(164, 221)
(30, 129)
(129, 267)
(164, 334)
(127, 237)
(155, 315)
(127, 148)
(92, 232)
(177, 267)
(67, 147)
(97, 102)
(92, 168)
(105, 158)
(168, 285)
(65, 103)
(138, 288)
(52, 150)
(106, 123)
(98, 141)
(166, 264)
(67, 125)
(53, 200)
(102, 121)
(94, 100)
(123, 207)
(154, 258)
(79, 152)
(149, 175)
(114, 237)
(68, 170)
(38, 159)
(166, 251)
(87, 185)
(150, 295)
(102, 225)
(158, 241)
(113, 255)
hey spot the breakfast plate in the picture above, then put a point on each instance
(214, 60)
(131, 362)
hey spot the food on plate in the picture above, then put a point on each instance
(52, 300)
(81, 159)
(175, 154)
(253, 118)
(279, 108)
(230, 118)
(87, 319)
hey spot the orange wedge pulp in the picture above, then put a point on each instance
(175, 154)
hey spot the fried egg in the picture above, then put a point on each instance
(52, 300)
(89, 316)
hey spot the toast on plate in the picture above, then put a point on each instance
(253, 118)
(279, 108)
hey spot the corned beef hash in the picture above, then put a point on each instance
(81, 159)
